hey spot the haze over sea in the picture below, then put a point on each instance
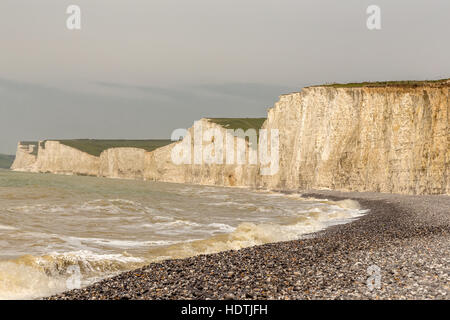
(51, 225)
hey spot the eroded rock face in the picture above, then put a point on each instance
(364, 139)
(25, 157)
(122, 163)
(159, 165)
(383, 139)
(54, 157)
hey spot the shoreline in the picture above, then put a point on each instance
(406, 236)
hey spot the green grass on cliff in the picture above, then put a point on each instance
(96, 147)
(410, 83)
(239, 123)
(6, 161)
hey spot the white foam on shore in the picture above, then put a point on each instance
(251, 234)
(123, 244)
(31, 277)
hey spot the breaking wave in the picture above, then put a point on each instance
(30, 277)
(252, 234)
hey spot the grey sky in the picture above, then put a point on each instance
(139, 69)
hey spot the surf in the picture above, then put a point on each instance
(101, 227)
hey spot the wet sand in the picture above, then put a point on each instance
(406, 237)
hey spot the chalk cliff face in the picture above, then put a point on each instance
(134, 163)
(54, 157)
(25, 157)
(124, 163)
(387, 139)
(384, 139)
(160, 166)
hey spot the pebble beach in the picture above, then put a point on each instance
(406, 238)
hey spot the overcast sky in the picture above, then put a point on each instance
(141, 68)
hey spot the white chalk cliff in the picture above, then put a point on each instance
(385, 139)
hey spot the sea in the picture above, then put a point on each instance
(62, 232)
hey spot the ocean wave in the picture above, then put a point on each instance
(7, 228)
(115, 243)
(223, 203)
(250, 234)
(183, 226)
(30, 277)
(111, 206)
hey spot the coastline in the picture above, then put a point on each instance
(406, 236)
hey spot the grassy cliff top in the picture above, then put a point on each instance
(96, 147)
(6, 161)
(239, 123)
(408, 83)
